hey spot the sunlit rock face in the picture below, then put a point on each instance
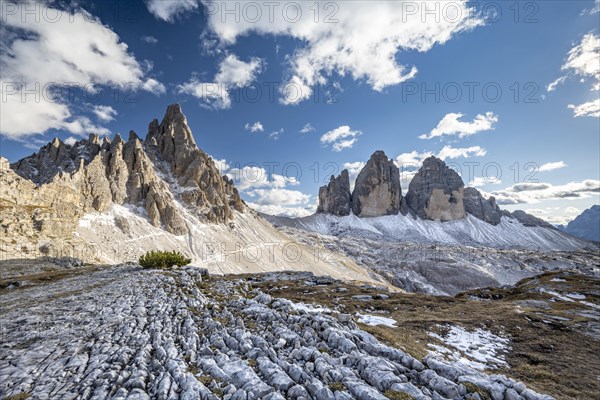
(436, 192)
(377, 190)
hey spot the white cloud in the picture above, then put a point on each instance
(307, 128)
(551, 166)
(70, 141)
(343, 144)
(75, 50)
(283, 211)
(275, 134)
(583, 59)
(104, 113)
(255, 127)
(253, 177)
(482, 181)
(233, 73)
(341, 138)
(589, 109)
(527, 193)
(236, 73)
(169, 10)
(450, 125)
(149, 39)
(350, 43)
(558, 81)
(283, 197)
(153, 86)
(211, 95)
(453, 152)
(354, 169)
(268, 194)
(222, 165)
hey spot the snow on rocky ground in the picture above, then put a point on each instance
(125, 333)
(248, 244)
(441, 269)
(479, 349)
(468, 231)
(374, 320)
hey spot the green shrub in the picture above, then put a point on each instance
(163, 259)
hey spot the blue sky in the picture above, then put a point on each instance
(376, 76)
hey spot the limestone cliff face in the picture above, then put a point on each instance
(479, 207)
(335, 198)
(202, 186)
(44, 195)
(436, 192)
(377, 189)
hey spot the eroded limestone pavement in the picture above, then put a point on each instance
(127, 333)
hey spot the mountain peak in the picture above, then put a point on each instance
(436, 192)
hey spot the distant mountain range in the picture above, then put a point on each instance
(586, 225)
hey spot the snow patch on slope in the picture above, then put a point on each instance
(510, 233)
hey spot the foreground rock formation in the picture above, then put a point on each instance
(126, 333)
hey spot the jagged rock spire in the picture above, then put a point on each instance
(335, 197)
(377, 189)
(436, 192)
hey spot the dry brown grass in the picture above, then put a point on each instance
(551, 356)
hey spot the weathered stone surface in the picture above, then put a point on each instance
(335, 197)
(377, 189)
(479, 207)
(436, 192)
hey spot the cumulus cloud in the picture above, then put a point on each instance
(345, 41)
(452, 126)
(526, 193)
(582, 61)
(104, 113)
(255, 127)
(307, 128)
(253, 177)
(268, 193)
(454, 152)
(284, 211)
(551, 166)
(74, 50)
(482, 181)
(170, 10)
(233, 73)
(70, 141)
(589, 109)
(354, 169)
(340, 138)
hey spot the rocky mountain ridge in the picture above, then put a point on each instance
(586, 225)
(109, 201)
(435, 193)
